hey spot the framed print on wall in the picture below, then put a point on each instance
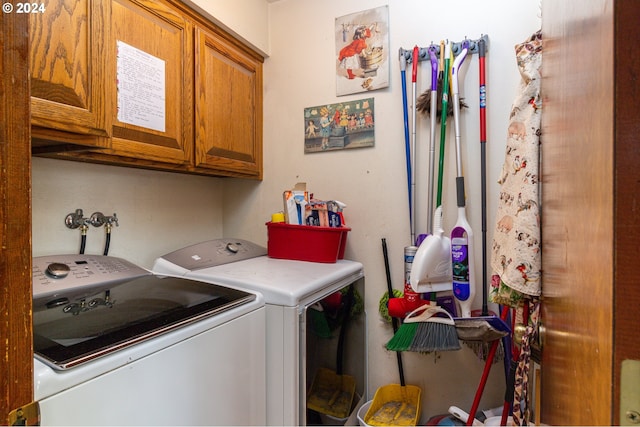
(340, 126)
(362, 51)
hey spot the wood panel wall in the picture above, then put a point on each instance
(16, 349)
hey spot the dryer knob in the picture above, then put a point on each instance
(57, 270)
(233, 248)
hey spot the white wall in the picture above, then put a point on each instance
(300, 73)
(157, 212)
(246, 19)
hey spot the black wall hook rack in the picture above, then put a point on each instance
(456, 48)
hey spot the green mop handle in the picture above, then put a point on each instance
(443, 117)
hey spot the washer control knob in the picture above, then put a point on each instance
(233, 248)
(57, 270)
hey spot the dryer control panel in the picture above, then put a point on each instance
(213, 253)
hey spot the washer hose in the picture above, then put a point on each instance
(83, 237)
(107, 241)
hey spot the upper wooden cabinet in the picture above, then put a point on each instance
(68, 59)
(228, 107)
(145, 83)
(152, 111)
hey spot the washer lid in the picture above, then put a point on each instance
(127, 313)
(283, 282)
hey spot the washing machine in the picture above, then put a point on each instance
(115, 344)
(289, 289)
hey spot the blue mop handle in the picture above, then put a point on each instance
(405, 110)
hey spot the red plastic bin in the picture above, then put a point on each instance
(306, 243)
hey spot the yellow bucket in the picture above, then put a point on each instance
(395, 405)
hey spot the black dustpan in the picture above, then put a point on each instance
(481, 328)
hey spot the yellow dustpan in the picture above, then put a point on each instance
(395, 405)
(331, 393)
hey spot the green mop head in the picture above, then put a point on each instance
(383, 305)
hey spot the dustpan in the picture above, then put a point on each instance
(332, 392)
(481, 328)
(395, 405)
(431, 267)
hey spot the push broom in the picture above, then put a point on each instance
(426, 329)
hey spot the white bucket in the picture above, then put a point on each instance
(362, 412)
(329, 420)
(495, 421)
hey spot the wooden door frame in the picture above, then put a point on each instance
(627, 187)
(577, 213)
(16, 347)
(590, 222)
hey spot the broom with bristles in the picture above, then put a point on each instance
(427, 328)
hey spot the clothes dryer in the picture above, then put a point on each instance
(289, 288)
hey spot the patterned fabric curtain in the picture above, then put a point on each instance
(515, 256)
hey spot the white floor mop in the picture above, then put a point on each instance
(462, 254)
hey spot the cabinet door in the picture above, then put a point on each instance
(67, 64)
(153, 76)
(228, 107)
